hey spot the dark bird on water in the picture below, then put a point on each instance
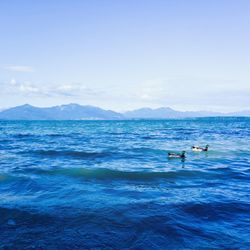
(177, 155)
(200, 149)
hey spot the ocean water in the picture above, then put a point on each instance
(109, 184)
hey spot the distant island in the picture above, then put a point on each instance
(80, 112)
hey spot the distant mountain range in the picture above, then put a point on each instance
(79, 112)
(63, 112)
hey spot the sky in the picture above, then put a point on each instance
(126, 54)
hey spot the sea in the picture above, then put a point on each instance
(110, 185)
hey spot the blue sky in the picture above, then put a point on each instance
(126, 54)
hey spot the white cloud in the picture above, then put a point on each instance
(19, 68)
(73, 89)
(189, 93)
(28, 88)
(48, 90)
(13, 82)
(179, 93)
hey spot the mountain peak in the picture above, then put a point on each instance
(72, 105)
(26, 106)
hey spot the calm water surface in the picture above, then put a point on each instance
(109, 185)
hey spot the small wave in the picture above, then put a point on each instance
(30, 135)
(68, 153)
(71, 135)
(148, 137)
(215, 210)
(55, 135)
(110, 174)
(145, 150)
(4, 141)
(23, 135)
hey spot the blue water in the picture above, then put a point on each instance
(109, 184)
